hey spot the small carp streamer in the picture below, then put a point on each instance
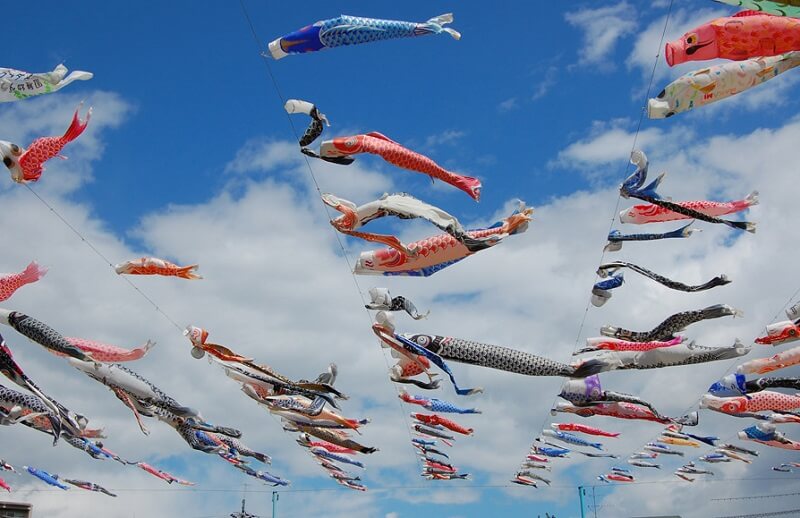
(382, 300)
(379, 144)
(28, 165)
(682, 354)
(16, 85)
(616, 238)
(781, 360)
(12, 282)
(673, 324)
(156, 266)
(354, 30)
(601, 290)
(665, 210)
(403, 206)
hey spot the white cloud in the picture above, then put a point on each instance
(602, 29)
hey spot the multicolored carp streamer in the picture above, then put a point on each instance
(89, 486)
(28, 165)
(746, 34)
(12, 282)
(45, 477)
(16, 85)
(682, 354)
(776, 7)
(622, 411)
(712, 84)
(665, 210)
(156, 266)
(353, 30)
(737, 385)
(588, 392)
(42, 334)
(378, 144)
(605, 343)
(382, 300)
(766, 433)
(756, 402)
(673, 324)
(615, 477)
(436, 405)
(437, 252)
(315, 127)
(781, 332)
(781, 360)
(616, 238)
(403, 206)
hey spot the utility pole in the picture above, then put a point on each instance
(594, 503)
(580, 496)
(243, 513)
(275, 497)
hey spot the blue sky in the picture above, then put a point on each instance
(190, 157)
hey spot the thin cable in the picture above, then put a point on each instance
(619, 196)
(327, 212)
(104, 258)
(753, 497)
(793, 512)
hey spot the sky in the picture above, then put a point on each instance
(189, 156)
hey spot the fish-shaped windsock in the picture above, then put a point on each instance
(354, 30)
(574, 427)
(42, 334)
(378, 144)
(156, 266)
(571, 439)
(643, 464)
(12, 282)
(437, 252)
(782, 332)
(605, 343)
(588, 391)
(616, 238)
(660, 209)
(89, 486)
(622, 410)
(712, 84)
(382, 300)
(683, 354)
(315, 127)
(756, 402)
(16, 85)
(436, 405)
(26, 165)
(776, 7)
(403, 206)
(108, 353)
(747, 34)
(766, 433)
(601, 290)
(781, 360)
(673, 324)
(46, 477)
